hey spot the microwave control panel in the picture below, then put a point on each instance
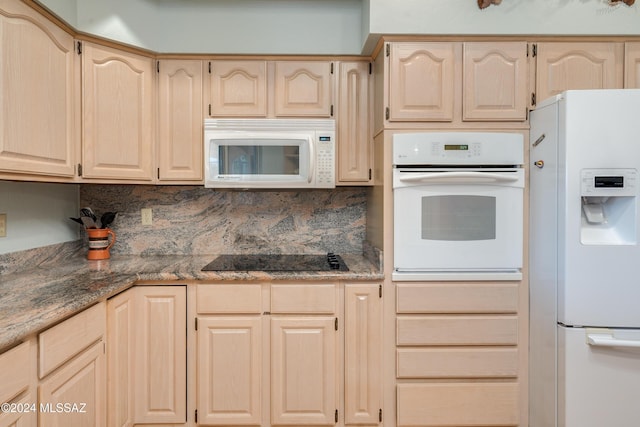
(325, 158)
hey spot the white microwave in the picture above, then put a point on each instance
(269, 153)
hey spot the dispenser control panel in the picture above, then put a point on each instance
(608, 182)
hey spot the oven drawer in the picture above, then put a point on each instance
(298, 298)
(457, 330)
(456, 298)
(457, 404)
(457, 362)
(229, 299)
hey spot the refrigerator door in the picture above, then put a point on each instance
(599, 377)
(599, 237)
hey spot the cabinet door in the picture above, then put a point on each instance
(303, 370)
(421, 81)
(564, 66)
(632, 65)
(495, 81)
(354, 150)
(363, 353)
(160, 355)
(120, 362)
(74, 395)
(22, 418)
(180, 120)
(303, 88)
(229, 370)
(117, 112)
(38, 90)
(238, 88)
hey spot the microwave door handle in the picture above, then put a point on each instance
(312, 161)
(457, 177)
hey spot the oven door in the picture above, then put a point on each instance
(458, 225)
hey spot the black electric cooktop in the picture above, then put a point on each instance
(277, 262)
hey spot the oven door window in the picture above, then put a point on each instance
(458, 218)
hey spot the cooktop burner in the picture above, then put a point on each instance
(277, 262)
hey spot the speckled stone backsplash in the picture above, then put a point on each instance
(193, 220)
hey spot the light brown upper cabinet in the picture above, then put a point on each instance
(632, 65)
(117, 111)
(180, 120)
(421, 81)
(584, 65)
(354, 151)
(303, 88)
(495, 81)
(256, 88)
(238, 88)
(38, 87)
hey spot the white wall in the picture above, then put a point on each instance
(38, 214)
(330, 26)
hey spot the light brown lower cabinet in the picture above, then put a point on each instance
(17, 377)
(458, 354)
(72, 371)
(272, 354)
(147, 356)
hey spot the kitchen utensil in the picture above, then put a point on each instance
(107, 218)
(88, 222)
(89, 213)
(78, 220)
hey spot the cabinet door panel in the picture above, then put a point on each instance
(160, 356)
(229, 370)
(117, 114)
(180, 120)
(238, 88)
(495, 81)
(421, 81)
(565, 66)
(302, 88)
(632, 66)
(21, 419)
(38, 91)
(354, 150)
(363, 346)
(80, 382)
(303, 371)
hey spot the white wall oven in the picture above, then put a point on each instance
(458, 206)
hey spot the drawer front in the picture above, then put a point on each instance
(61, 342)
(457, 362)
(230, 299)
(317, 298)
(15, 370)
(457, 404)
(457, 330)
(457, 297)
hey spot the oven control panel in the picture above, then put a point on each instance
(458, 148)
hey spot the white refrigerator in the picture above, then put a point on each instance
(584, 260)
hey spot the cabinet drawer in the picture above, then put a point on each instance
(457, 362)
(457, 330)
(216, 299)
(320, 298)
(457, 297)
(61, 342)
(15, 371)
(457, 404)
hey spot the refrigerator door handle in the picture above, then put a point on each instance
(602, 338)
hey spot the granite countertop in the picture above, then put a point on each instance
(36, 299)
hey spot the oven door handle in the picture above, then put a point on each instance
(459, 177)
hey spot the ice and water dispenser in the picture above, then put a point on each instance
(608, 206)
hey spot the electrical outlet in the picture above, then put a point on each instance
(147, 216)
(3, 225)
